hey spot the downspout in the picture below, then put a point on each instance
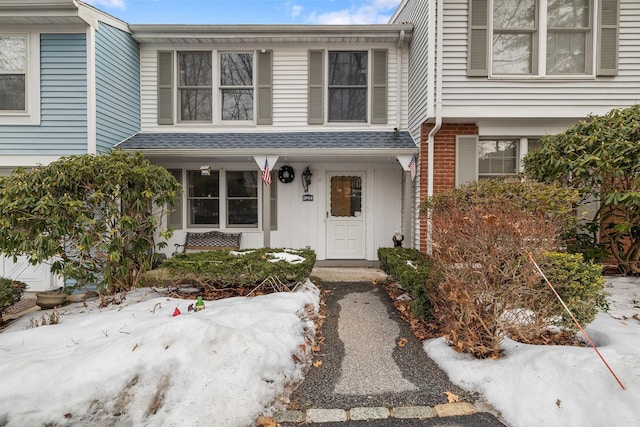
(399, 81)
(438, 115)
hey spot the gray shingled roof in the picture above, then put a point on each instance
(225, 141)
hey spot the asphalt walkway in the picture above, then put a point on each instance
(373, 371)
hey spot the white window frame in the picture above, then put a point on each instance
(218, 78)
(328, 87)
(31, 114)
(539, 47)
(179, 88)
(470, 171)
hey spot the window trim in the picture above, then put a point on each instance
(179, 88)
(602, 50)
(31, 114)
(188, 199)
(367, 87)
(257, 198)
(221, 87)
(539, 45)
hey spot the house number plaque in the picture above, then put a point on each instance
(307, 197)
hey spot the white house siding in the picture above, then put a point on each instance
(421, 64)
(479, 97)
(302, 224)
(290, 68)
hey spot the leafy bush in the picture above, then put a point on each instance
(481, 233)
(413, 270)
(240, 268)
(579, 283)
(97, 215)
(10, 292)
(600, 157)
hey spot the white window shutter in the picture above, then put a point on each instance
(466, 159)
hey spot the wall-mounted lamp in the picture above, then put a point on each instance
(306, 179)
(205, 170)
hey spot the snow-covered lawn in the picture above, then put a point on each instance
(136, 364)
(559, 385)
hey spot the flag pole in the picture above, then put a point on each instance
(574, 319)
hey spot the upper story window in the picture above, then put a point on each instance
(13, 72)
(352, 87)
(243, 91)
(545, 38)
(348, 81)
(194, 86)
(236, 86)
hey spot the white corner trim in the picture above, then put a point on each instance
(92, 145)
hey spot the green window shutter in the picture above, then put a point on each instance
(265, 88)
(466, 159)
(478, 39)
(316, 88)
(379, 87)
(165, 88)
(608, 18)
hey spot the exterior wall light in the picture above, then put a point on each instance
(205, 170)
(306, 179)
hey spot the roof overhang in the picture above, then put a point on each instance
(304, 146)
(54, 12)
(205, 34)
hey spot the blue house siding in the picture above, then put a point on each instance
(63, 105)
(117, 87)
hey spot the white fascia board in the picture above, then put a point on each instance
(307, 152)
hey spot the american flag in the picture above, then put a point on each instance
(413, 167)
(266, 173)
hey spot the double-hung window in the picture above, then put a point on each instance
(497, 158)
(220, 199)
(13, 72)
(348, 86)
(544, 38)
(194, 86)
(236, 86)
(215, 87)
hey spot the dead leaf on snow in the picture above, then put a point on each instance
(452, 398)
(265, 421)
(134, 347)
(558, 401)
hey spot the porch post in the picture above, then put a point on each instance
(266, 214)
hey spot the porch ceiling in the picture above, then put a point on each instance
(339, 146)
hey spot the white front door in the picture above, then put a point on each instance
(37, 277)
(345, 216)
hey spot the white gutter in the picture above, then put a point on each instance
(438, 113)
(399, 81)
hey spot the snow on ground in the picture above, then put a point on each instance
(559, 385)
(136, 364)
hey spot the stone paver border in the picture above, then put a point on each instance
(360, 413)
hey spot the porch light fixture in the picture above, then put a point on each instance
(205, 170)
(306, 179)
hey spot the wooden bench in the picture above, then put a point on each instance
(210, 240)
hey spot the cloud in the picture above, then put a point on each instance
(296, 9)
(117, 4)
(361, 12)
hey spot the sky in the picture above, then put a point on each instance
(323, 12)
